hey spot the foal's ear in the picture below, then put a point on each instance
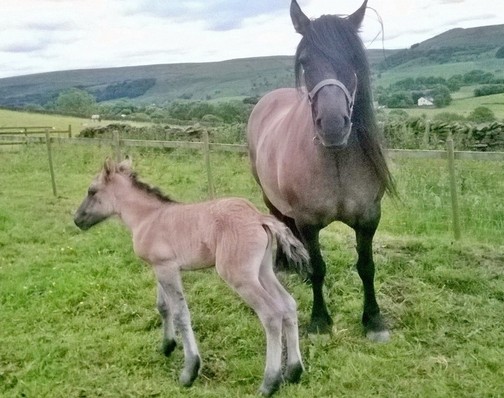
(109, 168)
(300, 21)
(358, 16)
(125, 166)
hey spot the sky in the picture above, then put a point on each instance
(50, 35)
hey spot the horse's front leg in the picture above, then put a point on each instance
(374, 325)
(321, 321)
(170, 281)
(163, 307)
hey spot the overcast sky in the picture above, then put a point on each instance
(48, 35)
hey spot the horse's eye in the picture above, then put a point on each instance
(92, 192)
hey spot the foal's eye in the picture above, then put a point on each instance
(92, 191)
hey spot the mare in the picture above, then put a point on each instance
(229, 233)
(315, 152)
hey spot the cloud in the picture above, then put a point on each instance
(218, 15)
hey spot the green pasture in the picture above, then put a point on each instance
(10, 118)
(77, 309)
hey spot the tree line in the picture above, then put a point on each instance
(406, 92)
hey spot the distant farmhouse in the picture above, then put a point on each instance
(425, 101)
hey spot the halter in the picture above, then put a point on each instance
(334, 82)
(349, 98)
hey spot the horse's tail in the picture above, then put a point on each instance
(291, 246)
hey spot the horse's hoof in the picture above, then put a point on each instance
(382, 336)
(322, 325)
(168, 347)
(293, 373)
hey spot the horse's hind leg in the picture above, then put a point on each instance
(170, 281)
(373, 322)
(166, 315)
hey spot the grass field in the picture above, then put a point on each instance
(77, 310)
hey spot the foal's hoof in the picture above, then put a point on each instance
(190, 372)
(382, 336)
(270, 385)
(168, 347)
(293, 373)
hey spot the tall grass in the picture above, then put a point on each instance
(77, 313)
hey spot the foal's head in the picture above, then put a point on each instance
(328, 59)
(99, 204)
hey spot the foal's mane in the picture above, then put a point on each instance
(336, 38)
(149, 189)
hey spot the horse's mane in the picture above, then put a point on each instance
(150, 190)
(337, 39)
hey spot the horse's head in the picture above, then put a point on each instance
(327, 60)
(99, 203)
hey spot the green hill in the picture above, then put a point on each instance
(455, 51)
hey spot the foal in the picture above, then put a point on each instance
(229, 233)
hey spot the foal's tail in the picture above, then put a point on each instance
(291, 246)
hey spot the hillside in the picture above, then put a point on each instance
(160, 83)
(454, 46)
(455, 51)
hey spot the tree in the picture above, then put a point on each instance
(481, 114)
(76, 102)
(441, 96)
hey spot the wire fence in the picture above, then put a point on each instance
(49, 136)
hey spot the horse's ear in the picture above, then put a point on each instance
(358, 16)
(125, 166)
(300, 21)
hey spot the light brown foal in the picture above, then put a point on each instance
(229, 233)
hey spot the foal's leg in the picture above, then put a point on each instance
(268, 279)
(170, 281)
(373, 322)
(244, 280)
(168, 329)
(321, 321)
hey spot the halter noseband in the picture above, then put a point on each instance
(334, 82)
(349, 98)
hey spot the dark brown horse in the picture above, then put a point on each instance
(316, 154)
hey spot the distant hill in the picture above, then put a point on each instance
(240, 78)
(455, 45)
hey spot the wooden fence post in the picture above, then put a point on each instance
(49, 155)
(206, 151)
(453, 186)
(116, 143)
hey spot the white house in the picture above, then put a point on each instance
(425, 101)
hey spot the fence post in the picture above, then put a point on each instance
(453, 186)
(69, 131)
(425, 141)
(49, 155)
(206, 151)
(116, 143)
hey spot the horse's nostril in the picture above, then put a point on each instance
(318, 122)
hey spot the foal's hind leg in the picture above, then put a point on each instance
(166, 315)
(243, 278)
(268, 279)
